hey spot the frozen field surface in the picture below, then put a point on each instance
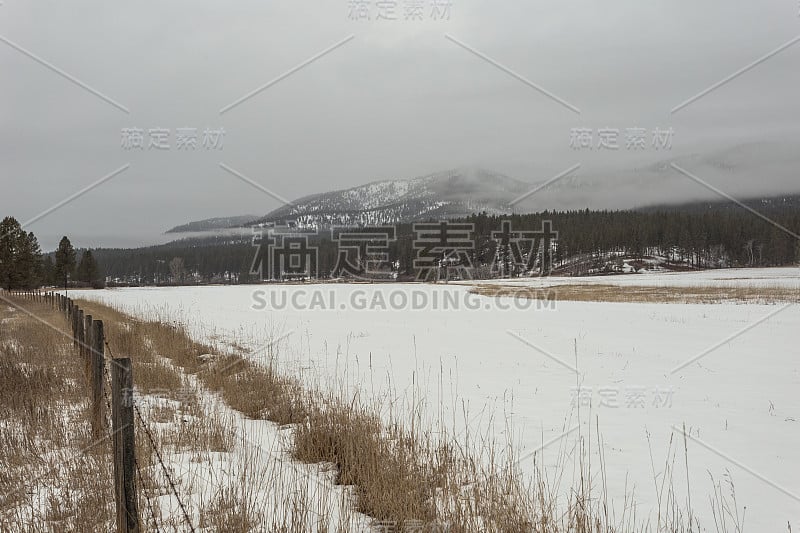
(730, 372)
(784, 277)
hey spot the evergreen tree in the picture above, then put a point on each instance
(20, 257)
(48, 271)
(87, 268)
(11, 237)
(30, 261)
(722, 235)
(65, 261)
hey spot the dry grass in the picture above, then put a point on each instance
(52, 475)
(404, 478)
(641, 294)
(255, 391)
(392, 479)
(397, 476)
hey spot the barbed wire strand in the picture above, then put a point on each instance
(106, 394)
(146, 496)
(163, 466)
(109, 356)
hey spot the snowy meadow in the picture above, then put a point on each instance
(691, 396)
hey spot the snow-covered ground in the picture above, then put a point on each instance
(729, 372)
(785, 277)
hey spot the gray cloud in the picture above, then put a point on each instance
(399, 100)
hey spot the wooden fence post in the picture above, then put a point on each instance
(74, 317)
(97, 366)
(88, 346)
(124, 445)
(79, 323)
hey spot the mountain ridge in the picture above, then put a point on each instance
(450, 194)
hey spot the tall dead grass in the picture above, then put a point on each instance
(404, 478)
(642, 294)
(53, 476)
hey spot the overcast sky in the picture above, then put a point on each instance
(397, 100)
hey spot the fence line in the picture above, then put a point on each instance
(90, 343)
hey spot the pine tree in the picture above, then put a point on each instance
(11, 237)
(87, 268)
(48, 271)
(30, 261)
(65, 261)
(20, 257)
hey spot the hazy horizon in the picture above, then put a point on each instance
(303, 99)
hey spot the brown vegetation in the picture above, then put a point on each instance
(641, 294)
(401, 477)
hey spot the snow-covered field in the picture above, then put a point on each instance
(785, 277)
(729, 372)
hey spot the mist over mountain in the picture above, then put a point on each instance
(212, 224)
(451, 194)
(460, 192)
(445, 195)
(745, 171)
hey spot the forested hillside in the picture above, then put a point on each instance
(695, 236)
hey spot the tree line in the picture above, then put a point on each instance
(710, 235)
(695, 236)
(24, 266)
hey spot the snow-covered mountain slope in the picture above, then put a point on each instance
(450, 194)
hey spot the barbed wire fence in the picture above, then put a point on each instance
(114, 413)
